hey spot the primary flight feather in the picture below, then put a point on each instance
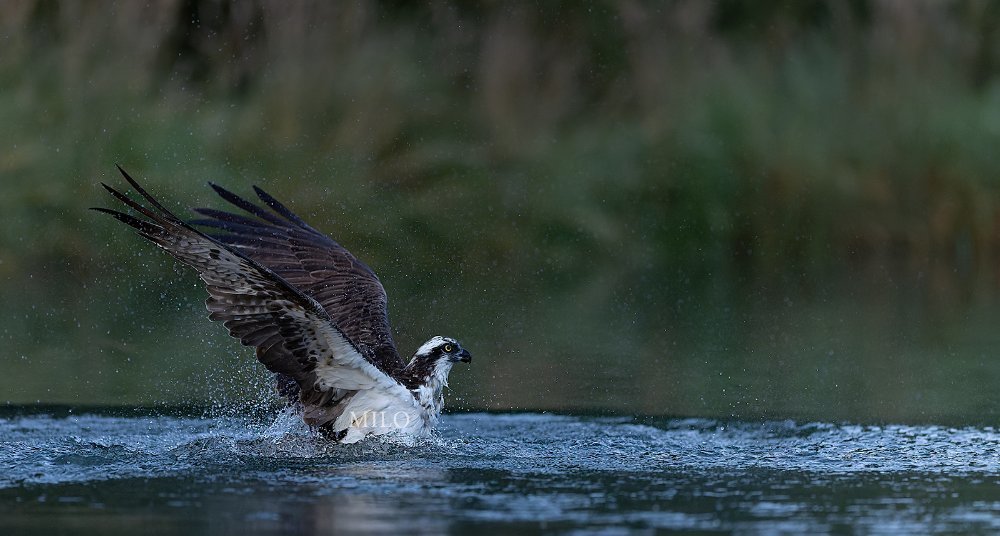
(317, 315)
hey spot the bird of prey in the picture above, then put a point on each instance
(316, 314)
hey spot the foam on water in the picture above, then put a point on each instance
(40, 448)
(522, 468)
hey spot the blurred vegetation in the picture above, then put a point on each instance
(550, 182)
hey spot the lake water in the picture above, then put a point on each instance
(131, 470)
(847, 404)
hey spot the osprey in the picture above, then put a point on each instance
(315, 313)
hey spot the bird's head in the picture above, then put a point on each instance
(432, 362)
(441, 350)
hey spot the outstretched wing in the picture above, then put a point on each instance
(348, 290)
(293, 333)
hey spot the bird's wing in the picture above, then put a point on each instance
(346, 288)
(292, 332)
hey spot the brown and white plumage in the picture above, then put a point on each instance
(315, 313)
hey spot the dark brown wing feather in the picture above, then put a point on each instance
(294, 335)
(347, 288)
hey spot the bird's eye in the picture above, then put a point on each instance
(448, 348)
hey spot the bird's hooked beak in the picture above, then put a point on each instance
(464, 356)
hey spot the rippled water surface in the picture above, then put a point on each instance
(132, 470)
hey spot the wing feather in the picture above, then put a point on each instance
(348, 290)
(293, 333)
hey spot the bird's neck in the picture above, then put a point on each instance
(428, 385)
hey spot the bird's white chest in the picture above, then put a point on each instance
(375, 412)
(430, 398)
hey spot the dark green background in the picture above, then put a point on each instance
(719, 208)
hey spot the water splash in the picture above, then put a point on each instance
(521, 468)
